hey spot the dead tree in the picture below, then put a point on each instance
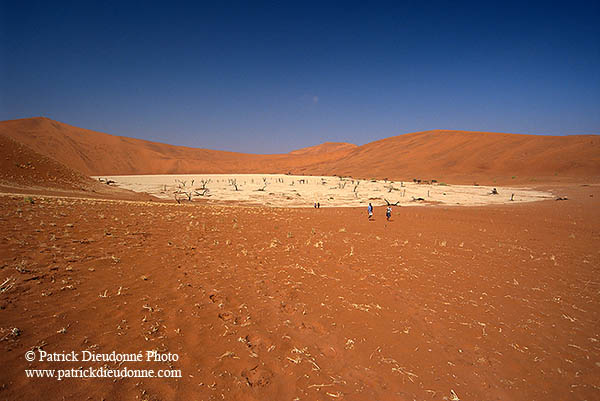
(264, 184)
(355, 188)
(202, 191)
(204, 183)
(391, 204)
(178, 196)
(182, 193)
(233, 183)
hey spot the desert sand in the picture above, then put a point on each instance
(494, 302)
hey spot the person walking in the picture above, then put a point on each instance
(388, 213)
(370, 211)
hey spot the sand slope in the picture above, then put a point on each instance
(96, 153)
(465, 156)
(451, 156)
(19, 165)
(23, 170)
(326, 147)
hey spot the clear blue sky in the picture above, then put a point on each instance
(272, 77)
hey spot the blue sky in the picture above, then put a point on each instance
(272, 77)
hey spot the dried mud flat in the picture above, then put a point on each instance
(281, 190)
(483, 303)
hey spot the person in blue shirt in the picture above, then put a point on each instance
(370, 211)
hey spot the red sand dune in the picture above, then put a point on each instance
(460, 156)
(24, 167)
(96, 153)
(25, 170)
(326, 147)
(451, 156)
